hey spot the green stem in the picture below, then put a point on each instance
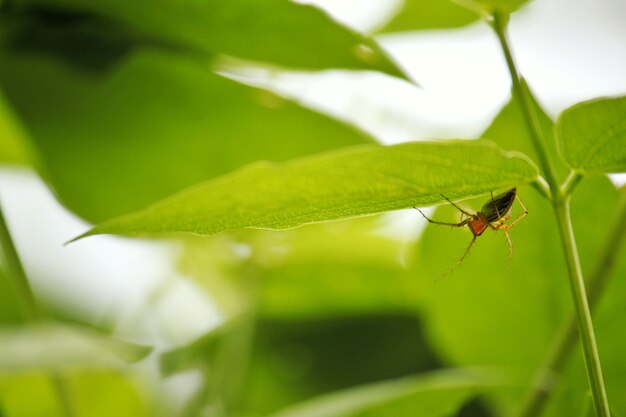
(499, 25)
(559, 355)
(15, 272)
(579, 295)
(560, 203)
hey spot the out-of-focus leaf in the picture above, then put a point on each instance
(296, 359)
(429, 14)
(509, 131)
(437, 394)
(592, 135)
(152, 126)
(347, 183)
(608, 318)
(504, 6)
(56, 346)
(274, 31)
(93, 393)
(14, 147)
(10, 308)
(87, 42)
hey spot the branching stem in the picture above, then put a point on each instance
(560, 204)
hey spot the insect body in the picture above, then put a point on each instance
(493, 215)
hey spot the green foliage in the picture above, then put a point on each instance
(147, 128)
(96, 393)
(354, 182)
(429, 14)
(125, 110)
(56, 346)
(592, 136)
(436, 395)
(294, 31)
(13, 144)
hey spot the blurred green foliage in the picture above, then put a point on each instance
(119, 105)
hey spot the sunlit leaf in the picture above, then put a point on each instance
(56, 346)
(152, 126)
(274, 31)
(432, 395)
(429, 14)
(347, 183)
(592, 135)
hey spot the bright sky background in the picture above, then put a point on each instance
(568, 50)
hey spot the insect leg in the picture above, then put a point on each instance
(460, 224)
(521, 216)
(455, 206)
(458, 262)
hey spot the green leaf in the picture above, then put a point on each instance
(56, 346)
(432, 395)
(503, 6)
(484, 311)
(274, 31)
(14, 146)
(98, 393)
(429, 14)
(592, 135)
(509, 131)
(347, 183)
(151, 126)
(11, 310)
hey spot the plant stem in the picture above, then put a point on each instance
(560, 203)
(499, 24)
(16, 272)
(579, 295)
(558, 357)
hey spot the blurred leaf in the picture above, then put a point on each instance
(429, 14)
(437, 394)
(608, 318)
(592, 135)
(94, 394)
(14, 147)
(273, 31)
(154, 125)
(10, 307)
(348, 183)
(296, 359)
(505, 6)
(56, 346)
(509, 131)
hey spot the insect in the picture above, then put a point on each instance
(493, 215)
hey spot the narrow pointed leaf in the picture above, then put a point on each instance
(431, 395)
(347, 183)
(592, 135)
(57, 346)
(274, 31)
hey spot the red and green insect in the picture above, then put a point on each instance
(493, 215)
